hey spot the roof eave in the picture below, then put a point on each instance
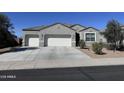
(88, 28)
(29, 30)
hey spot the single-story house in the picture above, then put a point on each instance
(59, 34)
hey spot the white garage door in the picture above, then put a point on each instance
(59, 42)
(34, 42)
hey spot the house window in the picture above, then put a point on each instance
(90, 36)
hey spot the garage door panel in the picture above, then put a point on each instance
(59, 42)
(34, 42)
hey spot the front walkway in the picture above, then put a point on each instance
(51, 57)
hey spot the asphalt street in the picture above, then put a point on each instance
(107, 73)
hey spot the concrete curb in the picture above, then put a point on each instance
(6, 49)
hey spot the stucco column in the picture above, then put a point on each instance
(23, 40)
(41, 40)
(73, 42)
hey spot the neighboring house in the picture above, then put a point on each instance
(60, 35)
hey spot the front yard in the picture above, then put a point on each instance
(106, 53)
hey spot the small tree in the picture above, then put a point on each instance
(113, 33)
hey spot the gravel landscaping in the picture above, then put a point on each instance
(106, 53)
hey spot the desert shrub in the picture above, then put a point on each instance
(97, 48)
(82, 44)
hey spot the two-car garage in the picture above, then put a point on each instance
(34, 42)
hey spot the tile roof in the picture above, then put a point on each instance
(89, 28)
(38, 28)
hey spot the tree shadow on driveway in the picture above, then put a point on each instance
(19, 49)
(23, 49)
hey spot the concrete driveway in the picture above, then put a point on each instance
(45, 57)
(44, 53)
(51, 57)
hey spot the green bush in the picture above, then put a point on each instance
(82, 44)
(97, 48)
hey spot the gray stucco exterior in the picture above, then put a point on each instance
(59, 30)
(98, 36)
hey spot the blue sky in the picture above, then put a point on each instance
(98, 20)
